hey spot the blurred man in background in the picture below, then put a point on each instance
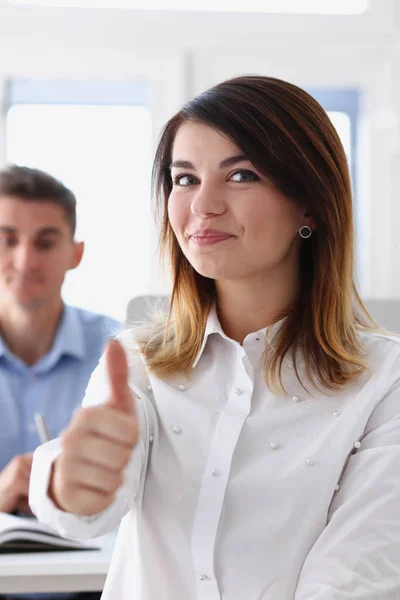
(47, 350)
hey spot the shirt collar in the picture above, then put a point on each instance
(69, 338)
(214, 326)
(69, 341)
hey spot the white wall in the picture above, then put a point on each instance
(182, 54)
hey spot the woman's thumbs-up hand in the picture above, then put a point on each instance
(97, 445)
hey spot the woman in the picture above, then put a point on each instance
(266, 430)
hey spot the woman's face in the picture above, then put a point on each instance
(231, 222)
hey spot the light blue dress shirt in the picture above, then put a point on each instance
(54, 386)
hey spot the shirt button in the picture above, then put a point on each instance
(310, 461)
(357, 445)
(149, 388)
(238, 391)
(182, 387)
(177, 429)
(337, 413)
(151, 438)
(295, 398)
(203, 577)
(274, 445)
(215, 472)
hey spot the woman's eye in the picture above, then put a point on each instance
(243, 176)
(184, 180)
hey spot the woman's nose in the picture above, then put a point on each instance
(207, 201)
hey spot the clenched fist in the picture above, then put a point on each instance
(97, 445)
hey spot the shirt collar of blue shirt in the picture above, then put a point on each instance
(69, 341)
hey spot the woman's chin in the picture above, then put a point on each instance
(215, 272)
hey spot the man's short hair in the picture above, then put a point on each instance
(25, 183)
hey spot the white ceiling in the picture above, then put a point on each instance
(260, 6)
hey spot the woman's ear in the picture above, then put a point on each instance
(310, 220)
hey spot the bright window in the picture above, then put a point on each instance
(103, 153)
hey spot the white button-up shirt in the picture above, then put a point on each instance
(237, 493)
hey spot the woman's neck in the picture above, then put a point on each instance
(248, 306)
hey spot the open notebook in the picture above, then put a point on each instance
(20, 534)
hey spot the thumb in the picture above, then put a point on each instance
(121, 396)
(28, 458)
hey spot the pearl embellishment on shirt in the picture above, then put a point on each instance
(177, 429)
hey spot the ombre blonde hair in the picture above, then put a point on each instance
(289, 137)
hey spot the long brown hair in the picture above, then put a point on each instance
(289, 137)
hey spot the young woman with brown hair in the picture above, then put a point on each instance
(264, 411)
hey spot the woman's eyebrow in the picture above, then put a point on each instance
(181, 164)
(232, 160)
(227, 162)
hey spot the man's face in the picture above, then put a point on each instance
(36, 250)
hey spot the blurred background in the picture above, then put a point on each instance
(85, 87)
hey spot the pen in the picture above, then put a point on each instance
(41, 427)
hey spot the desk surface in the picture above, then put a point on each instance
(63, 571)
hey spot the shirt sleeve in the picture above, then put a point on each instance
(84, 527)
(358, 554)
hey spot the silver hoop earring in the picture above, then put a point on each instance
(305, 232)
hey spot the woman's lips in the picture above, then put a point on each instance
(207, 239)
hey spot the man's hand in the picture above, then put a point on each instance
(14, 483)
(97, 445)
